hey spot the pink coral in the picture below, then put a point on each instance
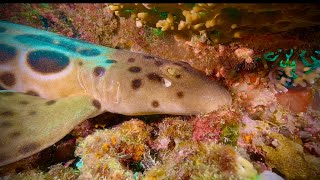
(207, 128)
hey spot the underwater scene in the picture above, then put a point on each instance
(159, 91)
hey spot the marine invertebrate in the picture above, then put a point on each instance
(279, 153)
(169, 133)
(55, 171)
(173, 131)
(229, 20)
(110, 153)
(246, 55)
(202, 160)
(290, 72)
(113, 153)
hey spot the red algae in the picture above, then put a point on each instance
(207, 128)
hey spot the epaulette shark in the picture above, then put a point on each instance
(53, 83)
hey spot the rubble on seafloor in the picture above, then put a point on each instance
(267, 55)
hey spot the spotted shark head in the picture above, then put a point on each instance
(138, 84)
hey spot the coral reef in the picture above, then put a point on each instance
(302, 166)
(57, 171)
(114, 153)
(193, 160)
(221, 21)
(109, 153)
(267, 55)
(289, 72)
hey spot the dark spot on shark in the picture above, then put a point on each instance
(35, 40)
(32, 93)
(89, 52)
(155, 104)
(96, 104)
(7, 53)
(178, 76)
(51, 102)
(80, 63)
(158, 63)
(29, 148)
(148, 57)
(45, 61)
(180, 94)
(154, 77)
(134, 69)
(99, 71)
(7, 113)
(2, 29)
(110, 61)
(15, 134)
(8, 79)
(131, 60)
(136, 84)
(5, 124)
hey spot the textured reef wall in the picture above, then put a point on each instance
(267, 55)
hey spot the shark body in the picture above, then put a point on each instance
(47, 73)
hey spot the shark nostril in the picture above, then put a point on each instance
(154, 77)
(134, 69)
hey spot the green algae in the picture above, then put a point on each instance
(31, 14)
(230, 135)
(289, 158)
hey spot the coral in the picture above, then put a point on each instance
(230, 135)
(289, 72)
(280, 152)
(109, 153)
(264, 75)
(251, 92)
(57, 171)
(219, 127)
(207, 128)
(168, 133)
(193, 160)
(222, 21)
(118, 152)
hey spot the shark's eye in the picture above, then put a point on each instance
(174, 72)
